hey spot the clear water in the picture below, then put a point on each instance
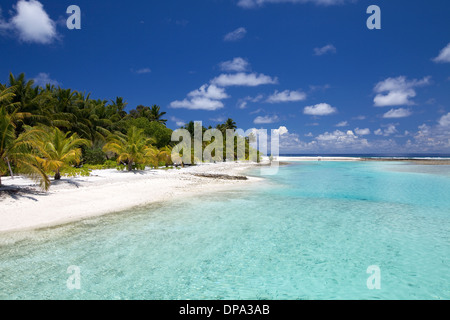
(310, 233)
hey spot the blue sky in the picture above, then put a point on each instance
(309, 68)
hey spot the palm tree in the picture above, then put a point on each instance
(57, 149)
(117, 109)
(164, 155)
(230, 124)
(156, 114)
(133, 148)
(17, 150)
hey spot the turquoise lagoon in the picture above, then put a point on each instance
(309, 232)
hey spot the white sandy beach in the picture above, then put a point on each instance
(106, 191)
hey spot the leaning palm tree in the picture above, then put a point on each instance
(57, 149)
(133, 148)
(18, 151)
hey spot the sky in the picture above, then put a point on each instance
(311, 69)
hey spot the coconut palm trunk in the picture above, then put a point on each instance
(9, 167)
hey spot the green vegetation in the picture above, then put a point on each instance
(61, 132)
(135, 148)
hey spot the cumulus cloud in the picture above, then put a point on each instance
(341, 140)
(321, 109)
(31, 23)
(209, 92)
(235, 65)
(444, 121)
(198, 103)
(432, 139)
(266, 119)
(397, 113)
(235, 35)
(207, 98)
(397, 91)
(286, 96)
(42, 79)
(243, 79)
(249, 4)
(281, 131)
(390, 129)
(428, 138)
(362, 132)
(444, 55)
(324, 50)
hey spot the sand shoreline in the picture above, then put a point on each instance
(24, 207)
(109, 191)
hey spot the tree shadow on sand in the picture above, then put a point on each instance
(18, 193)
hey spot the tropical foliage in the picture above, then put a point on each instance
(132, 149)
(55, 131)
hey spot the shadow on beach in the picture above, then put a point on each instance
(18, 193)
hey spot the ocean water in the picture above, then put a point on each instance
(309, 232)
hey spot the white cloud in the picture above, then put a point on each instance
(432, 139)
(243, 79)
(342, 124)
(362, 132)
(218, 119)
(378, 132)
(143, 71)
(266, 119)
(177, 121)
(242, 103)
(286, 96)
(236, 35)
(360, 118)
(397, 113)
(210, 92)
(42, 79)
(257, 111)
(235, 65)
(397, 91)
(206, 98)
(444, 55)
(321, 109)
(324, 50)
(390, 129)
(339, 140)
(249, 4)
(32, 23)
(444, 121)
(281, 131)
(198, 103)
(319, 88)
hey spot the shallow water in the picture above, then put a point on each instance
(310, 233)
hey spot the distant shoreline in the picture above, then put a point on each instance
(415, 160)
